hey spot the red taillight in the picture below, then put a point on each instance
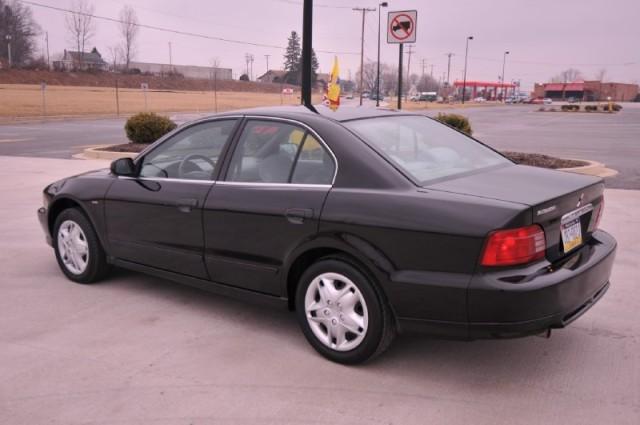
(514, 246)
(599, 216)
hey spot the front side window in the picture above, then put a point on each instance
(279, 152)
(191, 154)
(424, 148)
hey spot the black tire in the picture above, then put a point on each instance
(381, 328)
(97, 266)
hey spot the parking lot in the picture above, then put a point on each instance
(610, 139)
(135, 349)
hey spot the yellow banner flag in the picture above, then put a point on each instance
(333, 88)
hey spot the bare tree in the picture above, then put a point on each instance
(80, 25)
(129, 31)
(116, 55)
(567, 76)
(18, 28)
(601, 75)
(369, 76)
(427, 83)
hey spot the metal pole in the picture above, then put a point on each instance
(449, 67)
(380, 6)
(267, 57)
(43, 85)
(362, 55)
(117, 99)
(215, 89)
(504, 89)
(170, 59)
(464, 79)
(48, 58)
(307, 45)
(8, 38)
(400, 76)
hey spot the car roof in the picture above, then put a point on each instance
(344, 113)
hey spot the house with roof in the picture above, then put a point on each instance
(272, 76)
(80, 61)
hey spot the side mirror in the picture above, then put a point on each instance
(123, 167)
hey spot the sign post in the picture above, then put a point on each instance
(401, 28)
(145, 87)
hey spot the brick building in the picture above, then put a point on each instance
(587, 91)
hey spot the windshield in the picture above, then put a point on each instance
(424, 148)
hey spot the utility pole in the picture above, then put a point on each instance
(48, 59)
(504, 88)
(267, 58)
(409, 53)
(464, 79)
(170, 59)
(247, 59)
(424, 65)
(449, 66)
(251, 61)
(431, 70)
(8, 38)
(380, 6)
(364, 10)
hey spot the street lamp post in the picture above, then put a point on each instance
(504, 88)
(464, 79)
(8, 38)
(381, 5)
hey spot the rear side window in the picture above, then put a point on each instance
(279, 152)
(424, 148)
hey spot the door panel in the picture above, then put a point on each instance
(158, 223)
(254, 219)
(155, 219)
(250, 230)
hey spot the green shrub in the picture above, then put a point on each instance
(565, 108)
(591, 108)
(456, 121)
(147, 127)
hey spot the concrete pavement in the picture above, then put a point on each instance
(139, 350)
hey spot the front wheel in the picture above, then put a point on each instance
(341, 314)
(78, 250)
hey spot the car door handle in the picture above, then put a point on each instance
(187, 204)
(298, 215)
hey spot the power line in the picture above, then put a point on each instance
(169, 30)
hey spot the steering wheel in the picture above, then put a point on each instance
(183, 171)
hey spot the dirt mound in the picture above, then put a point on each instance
(108, 79)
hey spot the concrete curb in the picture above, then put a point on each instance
(593, 168)
(95, 152)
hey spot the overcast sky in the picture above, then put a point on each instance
(543, 36)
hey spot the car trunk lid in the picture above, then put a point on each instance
(557, 201)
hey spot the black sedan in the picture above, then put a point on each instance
(364, 222)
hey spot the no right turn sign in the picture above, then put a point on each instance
(401, 26)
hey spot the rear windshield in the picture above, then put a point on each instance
(424, 148)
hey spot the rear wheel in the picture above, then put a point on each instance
(341, 313)
(78, 250)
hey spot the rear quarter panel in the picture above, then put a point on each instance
(429, 241)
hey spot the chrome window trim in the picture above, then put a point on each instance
(160, 142)
(283, 185)
(168, 179)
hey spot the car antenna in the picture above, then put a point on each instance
(307, 46)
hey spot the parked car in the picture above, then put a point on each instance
(375, 96)
(480, 99)
(547, 101)
(537, 101)
(364, 222)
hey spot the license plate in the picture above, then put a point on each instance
(571, 228)
(571, 234)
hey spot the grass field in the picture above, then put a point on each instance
(19, 101)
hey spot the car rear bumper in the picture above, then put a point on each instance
(519, 302)
(531, 300)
